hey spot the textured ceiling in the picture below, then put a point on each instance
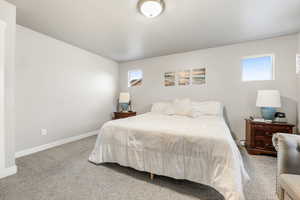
(115, 29)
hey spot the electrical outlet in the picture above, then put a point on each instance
(242, 142)
(44, 132)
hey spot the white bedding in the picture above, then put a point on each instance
(196, 149)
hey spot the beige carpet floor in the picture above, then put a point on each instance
(63, 173)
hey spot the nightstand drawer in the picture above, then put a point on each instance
(261, 126)
(264, 132)
(282, 129)
(269, 130)
(264, 143)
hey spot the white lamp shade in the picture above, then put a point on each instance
(124, 97)
(268, 98)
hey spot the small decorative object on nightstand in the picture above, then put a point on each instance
(259, 136)
(121, 115)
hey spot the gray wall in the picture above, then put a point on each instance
(223, 79)
(298, 42)
(8, 15)
(298, 84)
(59, 87)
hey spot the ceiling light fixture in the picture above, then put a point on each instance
(151, 8)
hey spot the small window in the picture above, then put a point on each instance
(258, 68)
(135, 78)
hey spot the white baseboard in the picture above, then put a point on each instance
(54, 144)
(8, 171)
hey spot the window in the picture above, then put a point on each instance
(135, 78)
(258, 68)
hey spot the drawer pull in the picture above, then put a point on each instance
(269, 145)
(268, 133)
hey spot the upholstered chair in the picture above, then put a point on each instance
(288, 169)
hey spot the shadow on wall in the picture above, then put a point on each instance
(144, 108)
(290, 107)
(225, 115)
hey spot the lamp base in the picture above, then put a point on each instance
(124, 107)
(268, 113)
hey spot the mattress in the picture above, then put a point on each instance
(199, 149)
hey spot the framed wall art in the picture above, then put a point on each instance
(170, 79)
(199, 76)
(184, 77)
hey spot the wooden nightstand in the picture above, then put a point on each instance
(259, 136)
(121, 115)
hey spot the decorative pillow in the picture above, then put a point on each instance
(162, 108)
(212, 108)
(182, 107)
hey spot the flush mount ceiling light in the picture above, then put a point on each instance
(151, 8)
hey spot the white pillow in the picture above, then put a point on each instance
(212, 108)
(182, 107)
(162, 108)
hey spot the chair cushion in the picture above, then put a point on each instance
(291, 184)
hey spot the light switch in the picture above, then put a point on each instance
(44, 132)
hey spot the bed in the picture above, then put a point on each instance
(198, 149)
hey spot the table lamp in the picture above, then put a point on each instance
(124, 101)
(268, 101)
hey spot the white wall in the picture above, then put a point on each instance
(62, 88)
(223, 79)
(298, 42)
(8, 15)
(2, 122)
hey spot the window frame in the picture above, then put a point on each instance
(272, 55)
(128, 77)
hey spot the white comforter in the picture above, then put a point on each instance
(200, 150)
